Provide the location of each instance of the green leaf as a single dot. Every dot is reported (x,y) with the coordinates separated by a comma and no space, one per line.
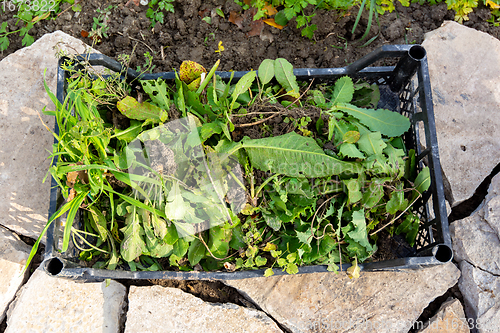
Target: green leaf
(268,272)
(260,261)
(243,85)
(176,208)
(292,269)
(219,12)
(280,18)
(74,205)
(350,150)
(423,181)
(132,245)
(196,252)
(156,247)
(294,155)
(309,31)
(266,71)
(129,134)
(157,91)
(272,221)
(283,70)
(371,143)
(351,137)
(4,43)
(27,40)
(181,247)
(132,109)
(374,193)
(353,190)
(397,202)
(410,227)
(159,226)
(305,237)
(98,222)
(218,242)
(343,90)
(171,236)
(237,240)
(209,129)
(387,122)
(359,233)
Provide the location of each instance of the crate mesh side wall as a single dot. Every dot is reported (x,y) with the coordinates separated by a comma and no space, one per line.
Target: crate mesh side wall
(408,106)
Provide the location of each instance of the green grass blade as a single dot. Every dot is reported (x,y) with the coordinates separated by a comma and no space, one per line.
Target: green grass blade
(370,17)
(359,16)
(73,209)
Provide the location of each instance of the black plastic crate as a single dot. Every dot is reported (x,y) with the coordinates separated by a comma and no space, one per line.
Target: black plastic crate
(404,88)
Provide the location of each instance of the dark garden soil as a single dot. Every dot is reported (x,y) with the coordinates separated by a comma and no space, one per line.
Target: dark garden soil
(184,36)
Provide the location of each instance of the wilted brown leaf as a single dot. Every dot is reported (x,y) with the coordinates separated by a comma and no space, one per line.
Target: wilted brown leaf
(235,18)
(257,27)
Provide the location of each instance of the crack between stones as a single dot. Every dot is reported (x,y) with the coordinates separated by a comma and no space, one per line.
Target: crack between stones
(481,269)
(193,287)
(469,206)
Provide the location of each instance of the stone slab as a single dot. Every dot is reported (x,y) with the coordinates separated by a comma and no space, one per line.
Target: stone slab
(450,318)
(13,255)
(325,302)
(48,304)
(476,245)
(466,103)
(25,140)
(159,309)
(481,292)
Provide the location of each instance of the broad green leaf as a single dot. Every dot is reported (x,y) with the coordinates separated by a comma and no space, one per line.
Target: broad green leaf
(209,129)
(327,245)
(353,190)
(387,122)
(266,71)
(237,240)
(196,252)
(176,208)
(350,150)
(351,137)
(243,85)
(260,261)
(157,91)
(272,221)
(171,236)
(410,227)
(156,247)
(159,226)
(296,156)
(305,237)
(98,221)
(397,202)
(371,143)
(130,133)
(374,193)
(133,245)
(411,166)
(343,91)
(423,180)
(132,109)
(283,70)
(181,247)
(359,233)
(218,242)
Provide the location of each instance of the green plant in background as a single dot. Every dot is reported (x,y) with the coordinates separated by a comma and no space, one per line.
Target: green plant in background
(100,24)
(29,13)
(333,182)
(156,8)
